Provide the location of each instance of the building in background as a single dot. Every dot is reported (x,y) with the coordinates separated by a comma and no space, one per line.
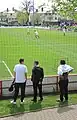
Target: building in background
(44,17)
(8,17)
(45,14)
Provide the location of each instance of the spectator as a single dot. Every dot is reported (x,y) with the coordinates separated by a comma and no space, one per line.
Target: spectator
(20,74)
(37,78)
(63,71)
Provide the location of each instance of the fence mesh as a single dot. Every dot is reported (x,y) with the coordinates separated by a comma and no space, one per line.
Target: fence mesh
(48,49)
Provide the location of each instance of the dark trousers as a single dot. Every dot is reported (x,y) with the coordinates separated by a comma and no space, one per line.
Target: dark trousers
(35,87)
(17,86)
(63,84)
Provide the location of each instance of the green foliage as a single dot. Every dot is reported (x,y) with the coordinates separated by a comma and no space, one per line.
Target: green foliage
(36,19)
(75,30)
(67,8)
(22,17)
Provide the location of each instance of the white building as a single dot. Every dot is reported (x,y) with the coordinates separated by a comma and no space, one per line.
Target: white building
(45,14)
(8,16)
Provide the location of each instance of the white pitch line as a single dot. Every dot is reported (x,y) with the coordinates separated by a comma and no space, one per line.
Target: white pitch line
(8,68)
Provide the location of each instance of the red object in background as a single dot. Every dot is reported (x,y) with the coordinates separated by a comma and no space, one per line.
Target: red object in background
(0,88)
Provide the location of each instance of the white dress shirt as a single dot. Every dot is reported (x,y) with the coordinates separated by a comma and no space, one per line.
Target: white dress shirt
(64,68)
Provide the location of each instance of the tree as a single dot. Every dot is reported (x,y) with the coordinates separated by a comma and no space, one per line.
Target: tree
(22,17)
(28,6)
(67,8)
(37,19)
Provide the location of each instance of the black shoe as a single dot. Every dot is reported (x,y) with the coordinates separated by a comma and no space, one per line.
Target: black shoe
(41,99)
(34,100)
(58,100)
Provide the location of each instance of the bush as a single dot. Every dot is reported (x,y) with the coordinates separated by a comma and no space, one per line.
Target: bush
(75,30)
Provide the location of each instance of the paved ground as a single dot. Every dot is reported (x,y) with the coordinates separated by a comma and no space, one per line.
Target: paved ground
(61,113)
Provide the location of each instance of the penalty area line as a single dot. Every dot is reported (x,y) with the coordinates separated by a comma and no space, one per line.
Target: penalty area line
(7,68)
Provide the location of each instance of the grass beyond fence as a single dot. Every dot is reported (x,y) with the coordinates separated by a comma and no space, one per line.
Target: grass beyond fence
(48,49)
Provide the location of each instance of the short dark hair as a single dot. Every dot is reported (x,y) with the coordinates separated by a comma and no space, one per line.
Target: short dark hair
(62,62)
(36,62)
(21,60)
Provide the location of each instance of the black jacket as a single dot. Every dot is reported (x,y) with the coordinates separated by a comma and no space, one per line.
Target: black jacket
(37,74)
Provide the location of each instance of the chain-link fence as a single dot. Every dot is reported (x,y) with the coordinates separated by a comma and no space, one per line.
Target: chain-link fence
(48,49)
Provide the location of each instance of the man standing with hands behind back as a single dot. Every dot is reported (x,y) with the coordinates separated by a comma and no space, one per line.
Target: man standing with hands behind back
(37,78)
(63,72)
(20,75)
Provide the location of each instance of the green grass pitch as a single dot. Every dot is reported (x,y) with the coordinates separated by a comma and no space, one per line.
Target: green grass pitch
(52,46)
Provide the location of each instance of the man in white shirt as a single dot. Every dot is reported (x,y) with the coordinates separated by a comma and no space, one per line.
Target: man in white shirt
(63,71)
(20,75)
(64,30)
(36,34)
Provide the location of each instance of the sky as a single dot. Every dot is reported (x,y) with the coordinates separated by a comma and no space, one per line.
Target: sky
(4,4)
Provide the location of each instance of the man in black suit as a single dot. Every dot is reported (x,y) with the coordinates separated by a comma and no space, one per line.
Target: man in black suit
(37,78)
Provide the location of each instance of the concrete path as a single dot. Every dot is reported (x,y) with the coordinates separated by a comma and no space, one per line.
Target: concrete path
(61,113)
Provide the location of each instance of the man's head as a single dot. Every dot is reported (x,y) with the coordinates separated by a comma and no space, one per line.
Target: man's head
(36,63)
(62,62)
(21,61)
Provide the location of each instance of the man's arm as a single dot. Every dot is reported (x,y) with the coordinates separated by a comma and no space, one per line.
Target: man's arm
(42,73)
(33,73)
(26,71)
(60,72)
(26,76)
(70,69)
(14,74)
